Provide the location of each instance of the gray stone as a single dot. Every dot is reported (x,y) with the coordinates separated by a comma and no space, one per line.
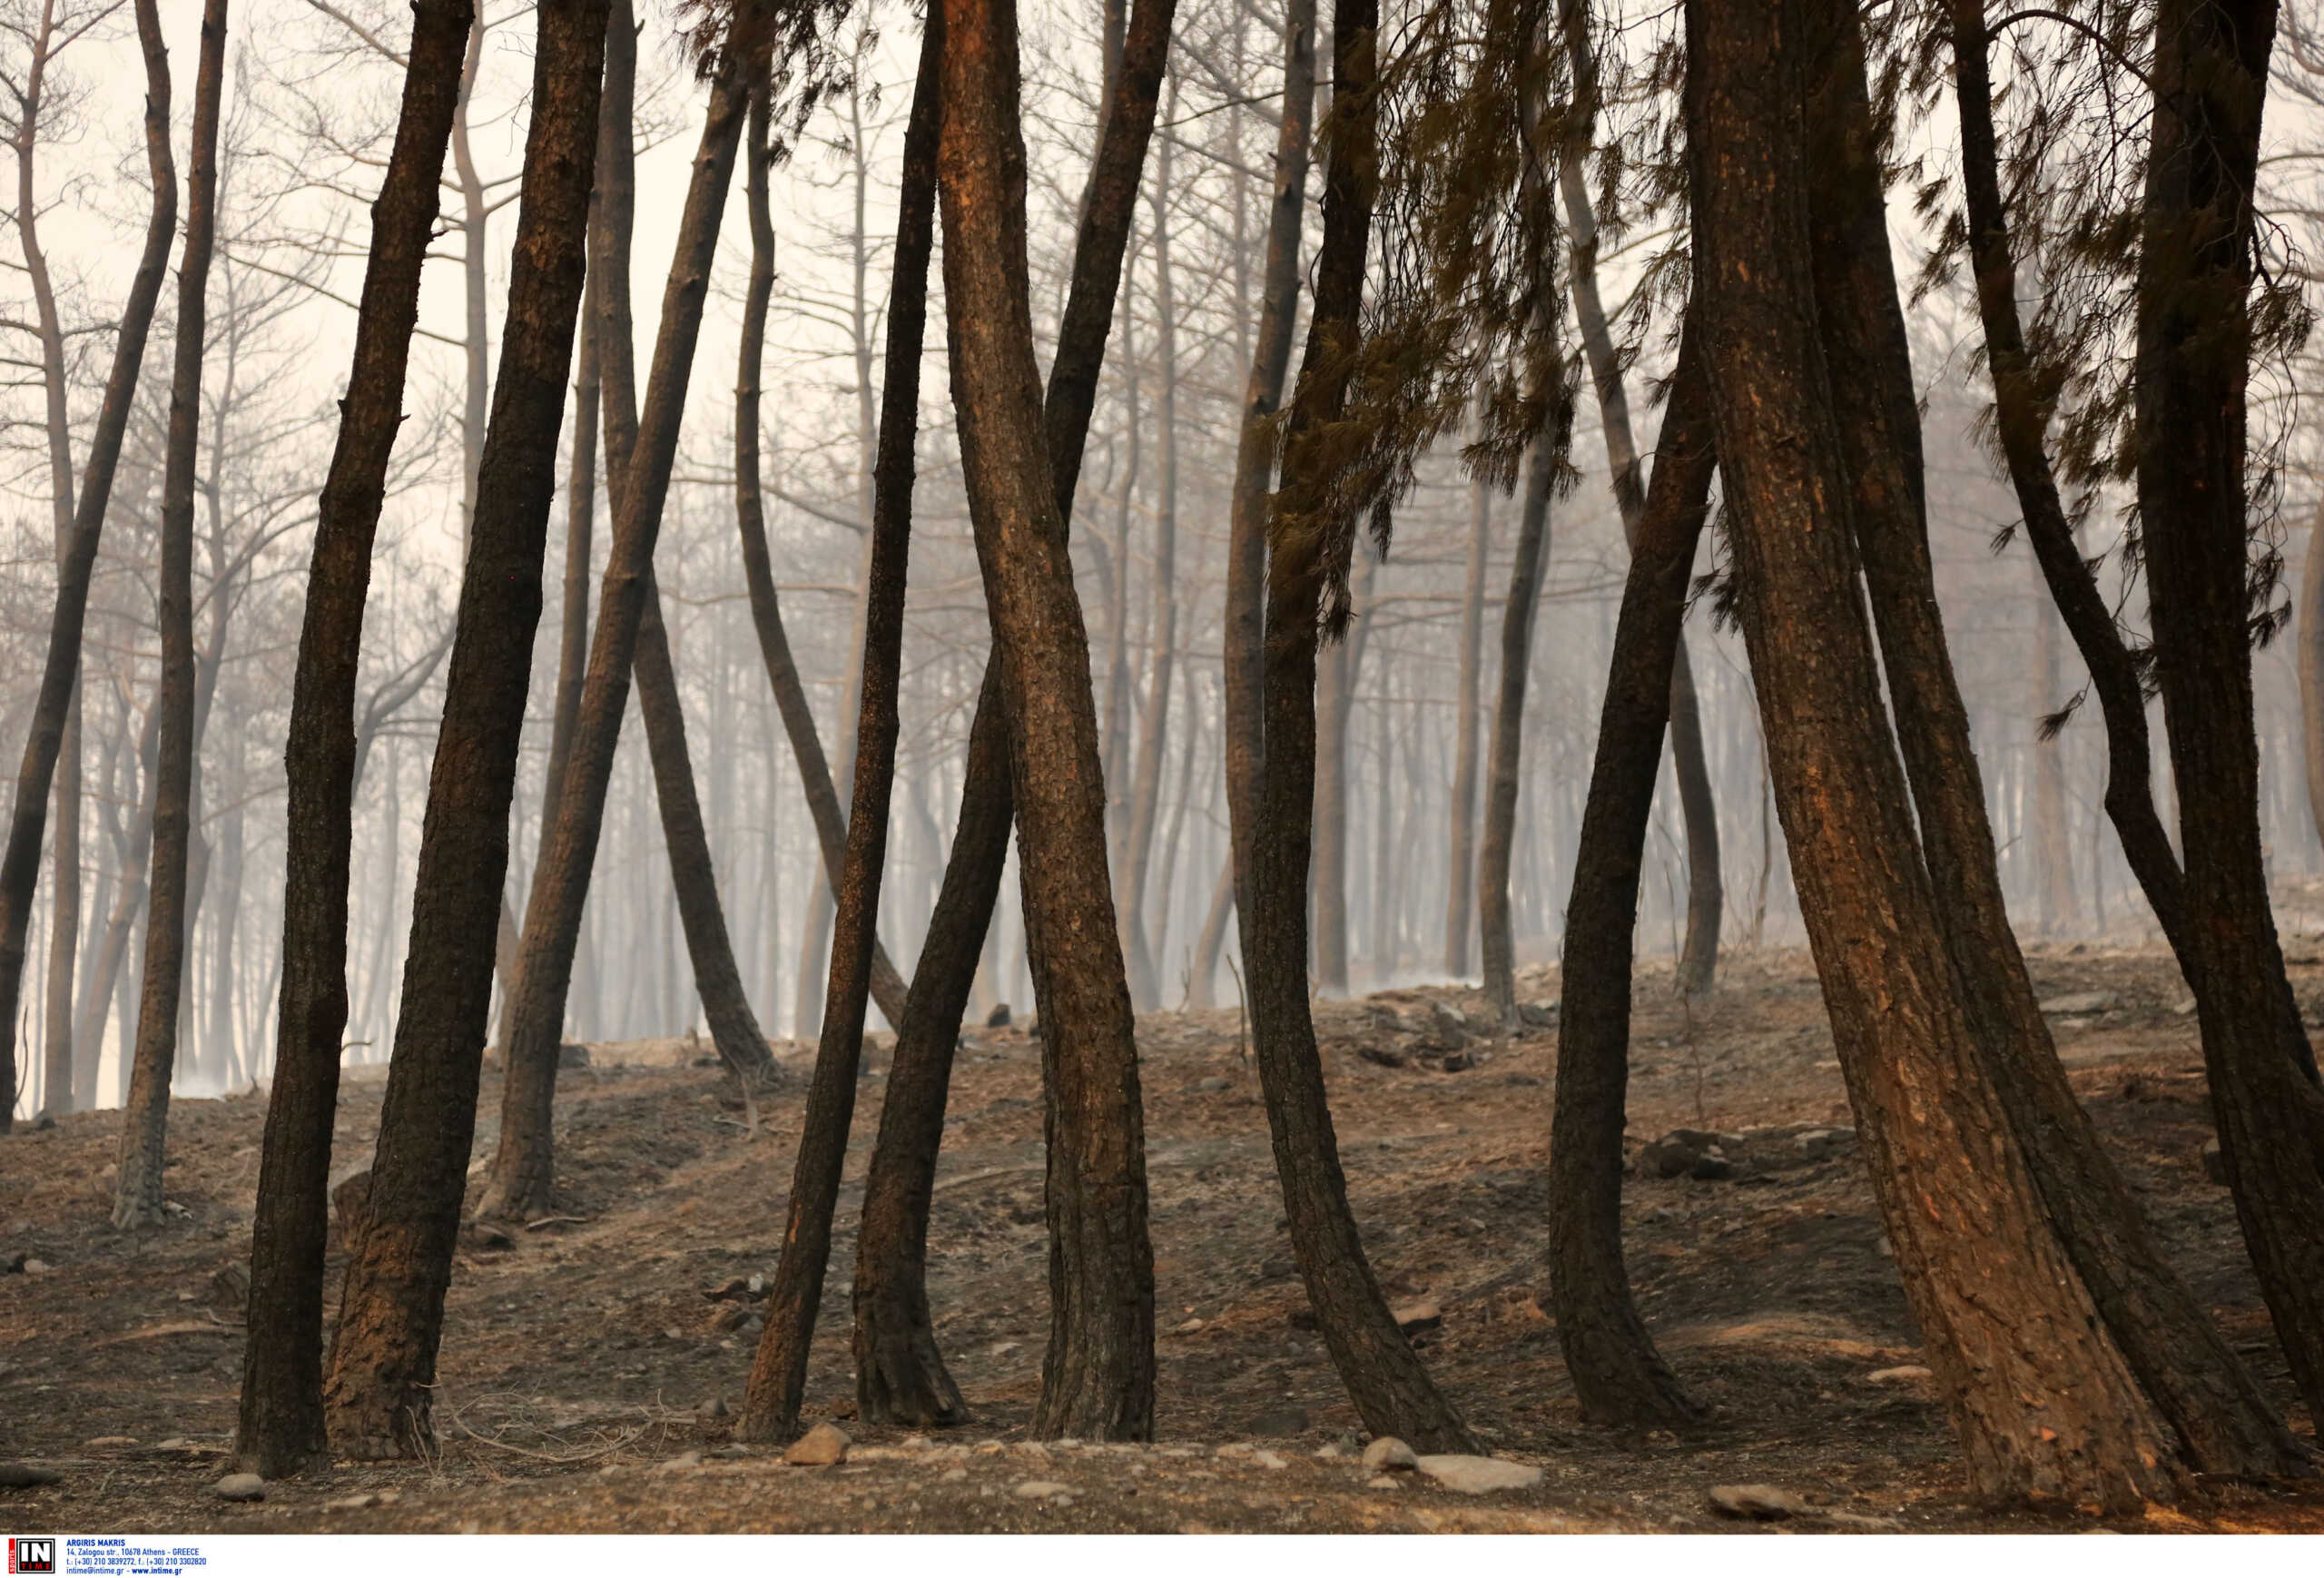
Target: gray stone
(1034,1490)
(23,1477)
(1540,1015)
(1280,1422)
(572,1055)
(240,1487)
(1212,1085)
(820,1447)
(1479,1476)
(1764,1503)
(2080,1004)
(1388,1453)
(1384,1481)
(998,1019)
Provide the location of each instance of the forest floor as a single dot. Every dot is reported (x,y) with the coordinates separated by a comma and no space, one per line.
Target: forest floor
(585,1375)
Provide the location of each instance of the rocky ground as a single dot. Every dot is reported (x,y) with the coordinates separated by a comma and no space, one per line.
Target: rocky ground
(590,1360)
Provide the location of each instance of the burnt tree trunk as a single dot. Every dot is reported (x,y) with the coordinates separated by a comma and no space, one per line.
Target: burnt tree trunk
(791,701)
(1254,456)
(1618,1376)
(1097,1376)
(280,1430)
(145,1115)
(779,1372)
(377,1388)
(892,1253)
(2193,368)
(641,445)
(61,666)
(1385,1378)
(2042,1399)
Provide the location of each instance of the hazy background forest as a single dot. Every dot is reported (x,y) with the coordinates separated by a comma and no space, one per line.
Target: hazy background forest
(309,103)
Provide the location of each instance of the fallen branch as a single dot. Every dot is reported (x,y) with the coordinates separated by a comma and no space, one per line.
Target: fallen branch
(557,1222)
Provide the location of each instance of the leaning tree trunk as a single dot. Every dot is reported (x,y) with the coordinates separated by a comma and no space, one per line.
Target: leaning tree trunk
(523,1171)
(280,1429)
(60,670)
(1385,1378)
(64,913)
(2194,346)
(382,1366)
(2170,1343)
(146,1116)
(2310,652)
(1097,1377)
(791,701)
(1697,807)
(779,1371)
(1245,631)
(891,1255)
(1618,1376)
(2041,1397)
(1461,858)
(1496,930)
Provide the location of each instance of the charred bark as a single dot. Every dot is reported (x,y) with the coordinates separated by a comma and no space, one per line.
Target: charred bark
(280,1430)
(1097,1377)
(779,1371)
(144,1119)
(2190,388)
(375,1393)
(1385,1378)
(2043,1400)
(1618,1377)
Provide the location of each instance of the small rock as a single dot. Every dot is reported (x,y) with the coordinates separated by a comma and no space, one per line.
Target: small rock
(1458,1062)
(486,1235)
(732,1288)
(2080,1004)
(240,1487)
(1278,1269)
(1280,1422)
(1002,1350)
(105,1441)
(820,1447)
(1900,1373)
(683,1461)
(1448,1019)
(1478,1476)
(1384,1481)
(1191,1325)
(1668,1157)
(353,1504)
(952,1475)
(998,1019)
(1815,1144)
(1268,1460)
(1388,1453)
(730,1318)
(35,1267)
(1765,1503)
(23,1477)
(1421,1316)
(1540,1015)
(1385,1057)
(2184,1007)
(2215,1162)
(176,1444)
(715,1408)
(1034,1490)
(1211,1086)
(572,1055)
